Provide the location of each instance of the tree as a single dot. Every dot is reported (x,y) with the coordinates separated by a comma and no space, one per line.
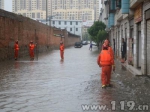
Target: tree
(97,32)
(102,34)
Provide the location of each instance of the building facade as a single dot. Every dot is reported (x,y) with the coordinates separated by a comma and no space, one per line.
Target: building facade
(74,14)
(30,5)
(1,4)
(75,9)
(35,9)
(66,9)
(35,14)
(72,26)
(130,19)
(104,12)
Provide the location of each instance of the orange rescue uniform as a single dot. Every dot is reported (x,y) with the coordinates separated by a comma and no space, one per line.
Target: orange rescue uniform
(16,49)
(62,51)
(31,47)
(106,60)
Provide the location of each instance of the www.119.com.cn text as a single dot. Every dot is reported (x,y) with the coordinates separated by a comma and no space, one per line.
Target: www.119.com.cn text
(122,105)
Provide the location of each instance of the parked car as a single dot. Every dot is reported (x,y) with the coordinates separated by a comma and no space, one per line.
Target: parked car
(84,42)
(78,45)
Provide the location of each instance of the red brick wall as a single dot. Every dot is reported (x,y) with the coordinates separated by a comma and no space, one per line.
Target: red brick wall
(15,27)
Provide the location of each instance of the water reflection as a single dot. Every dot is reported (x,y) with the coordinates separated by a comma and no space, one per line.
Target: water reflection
(49,82)
(106,98)
(16,65)
(61,61)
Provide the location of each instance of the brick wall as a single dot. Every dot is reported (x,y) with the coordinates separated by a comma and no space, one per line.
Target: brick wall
(16,27)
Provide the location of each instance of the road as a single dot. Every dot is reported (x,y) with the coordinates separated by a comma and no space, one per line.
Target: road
(52,85)
(49,84)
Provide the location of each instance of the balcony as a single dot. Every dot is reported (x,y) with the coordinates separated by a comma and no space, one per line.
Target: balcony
(119,15)
(125,16)
(134,3)
(116,22)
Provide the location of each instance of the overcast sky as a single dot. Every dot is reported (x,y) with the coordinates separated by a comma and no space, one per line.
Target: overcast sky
(8,5)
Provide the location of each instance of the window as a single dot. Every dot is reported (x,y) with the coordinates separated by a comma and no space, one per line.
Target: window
(33,15)
(38,15)
(59,22)
(76,23)
(53,22)
(76,29)
(70,22)
(65,22)
(70,29)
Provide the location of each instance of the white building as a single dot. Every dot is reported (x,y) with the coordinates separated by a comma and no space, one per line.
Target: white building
(67,9)
(88,9)
(72,26)
(35,14)
(29,5)
(75,14)
(34,9)
(1,4)
(104,11)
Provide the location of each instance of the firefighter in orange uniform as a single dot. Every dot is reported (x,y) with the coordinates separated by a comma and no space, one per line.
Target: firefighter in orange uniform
(61,50)
(31,49)
(16,49)
(106,61)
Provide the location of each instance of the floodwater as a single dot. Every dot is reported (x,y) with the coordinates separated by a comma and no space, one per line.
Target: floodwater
(50,84)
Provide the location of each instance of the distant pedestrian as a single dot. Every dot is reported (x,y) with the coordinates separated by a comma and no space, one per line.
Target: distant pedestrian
(16,49)
(132,45)
(31,50)
(106,61)
(123,51)
(90,48)
(61,50)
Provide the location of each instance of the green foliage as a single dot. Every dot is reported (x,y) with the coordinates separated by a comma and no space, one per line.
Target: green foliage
(102,34)
(97,32)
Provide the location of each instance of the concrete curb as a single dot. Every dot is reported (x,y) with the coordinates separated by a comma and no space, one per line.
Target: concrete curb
(131,69)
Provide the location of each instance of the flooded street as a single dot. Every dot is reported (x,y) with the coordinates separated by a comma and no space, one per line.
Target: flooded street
(52,85)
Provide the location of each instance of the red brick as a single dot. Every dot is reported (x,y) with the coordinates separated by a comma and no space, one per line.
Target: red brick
(15,27)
